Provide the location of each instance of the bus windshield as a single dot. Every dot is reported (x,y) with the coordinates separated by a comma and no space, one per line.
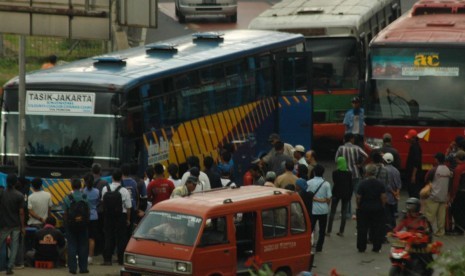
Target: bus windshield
(407,86)
(169,227)
(335,62)
(72,136)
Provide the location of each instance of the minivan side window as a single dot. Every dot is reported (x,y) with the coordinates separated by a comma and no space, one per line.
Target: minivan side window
(298,224)
(214,232)
(274,222)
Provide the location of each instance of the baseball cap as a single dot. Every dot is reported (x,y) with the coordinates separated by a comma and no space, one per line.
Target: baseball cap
(440,157)
(355,99)
(388,157)
(299,148)
(410,134)
(273,136)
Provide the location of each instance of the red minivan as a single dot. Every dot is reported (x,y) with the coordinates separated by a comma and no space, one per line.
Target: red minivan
(222,232)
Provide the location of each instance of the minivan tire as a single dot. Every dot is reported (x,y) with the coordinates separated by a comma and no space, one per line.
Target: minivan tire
(181,17)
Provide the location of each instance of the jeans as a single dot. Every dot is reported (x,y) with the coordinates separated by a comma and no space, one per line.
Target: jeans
(78,245)
(14,234)
(322,220)
(334,203)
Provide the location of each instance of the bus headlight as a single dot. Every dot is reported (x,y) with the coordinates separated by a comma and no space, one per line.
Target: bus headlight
(130,259)
(182,267)
(374,143)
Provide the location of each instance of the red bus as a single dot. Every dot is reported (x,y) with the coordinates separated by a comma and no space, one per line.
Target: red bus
(416,79)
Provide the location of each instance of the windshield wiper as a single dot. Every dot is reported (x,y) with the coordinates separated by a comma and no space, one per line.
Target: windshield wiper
(441,112)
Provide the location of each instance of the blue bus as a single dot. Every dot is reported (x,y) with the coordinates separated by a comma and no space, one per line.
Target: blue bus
(161,102)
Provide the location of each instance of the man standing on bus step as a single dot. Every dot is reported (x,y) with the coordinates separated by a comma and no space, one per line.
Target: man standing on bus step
(413,165)
(354,121)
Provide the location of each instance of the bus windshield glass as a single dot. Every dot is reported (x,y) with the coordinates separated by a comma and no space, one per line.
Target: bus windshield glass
(407,86)
(335,62)
(169,227)
(69,133)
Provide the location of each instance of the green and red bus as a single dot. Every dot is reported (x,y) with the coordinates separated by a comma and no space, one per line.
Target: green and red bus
(416,79)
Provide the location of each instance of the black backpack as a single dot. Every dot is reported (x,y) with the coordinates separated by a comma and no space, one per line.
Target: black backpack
(78,214)
(112,202)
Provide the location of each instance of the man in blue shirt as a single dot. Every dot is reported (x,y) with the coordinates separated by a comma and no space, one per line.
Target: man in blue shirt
(320,209)
(354,121)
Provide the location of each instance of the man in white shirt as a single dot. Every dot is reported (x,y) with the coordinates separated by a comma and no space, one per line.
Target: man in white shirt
(39,204)
(115,225)
(193,163)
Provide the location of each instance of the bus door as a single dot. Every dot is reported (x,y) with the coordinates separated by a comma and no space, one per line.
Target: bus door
(295,98)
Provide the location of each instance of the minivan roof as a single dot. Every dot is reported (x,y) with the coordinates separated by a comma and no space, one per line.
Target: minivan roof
(220,200)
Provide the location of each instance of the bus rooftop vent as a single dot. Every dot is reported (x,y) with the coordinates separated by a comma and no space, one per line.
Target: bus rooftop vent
(310,11)
(161,47)
(109,59)
(208,36)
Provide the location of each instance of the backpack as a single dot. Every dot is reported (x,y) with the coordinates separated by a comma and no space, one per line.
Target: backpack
(311,195)
(78,214)
(112,202)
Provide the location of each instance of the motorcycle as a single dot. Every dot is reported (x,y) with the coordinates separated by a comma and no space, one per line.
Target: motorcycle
(411,252)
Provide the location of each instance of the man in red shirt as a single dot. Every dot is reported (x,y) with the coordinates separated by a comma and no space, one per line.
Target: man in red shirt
(160,188)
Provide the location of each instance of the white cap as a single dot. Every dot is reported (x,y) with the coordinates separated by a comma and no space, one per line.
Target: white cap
(388,157)
(299,148)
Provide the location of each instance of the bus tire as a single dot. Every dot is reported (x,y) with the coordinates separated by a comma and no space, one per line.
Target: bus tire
(233,18)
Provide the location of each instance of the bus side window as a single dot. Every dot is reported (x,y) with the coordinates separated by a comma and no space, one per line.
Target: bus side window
(189,93)
(264,77)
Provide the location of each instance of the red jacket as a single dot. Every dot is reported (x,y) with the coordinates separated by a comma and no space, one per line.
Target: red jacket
(456,181)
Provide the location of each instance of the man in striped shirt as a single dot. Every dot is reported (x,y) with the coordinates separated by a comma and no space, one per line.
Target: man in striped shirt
(355,157)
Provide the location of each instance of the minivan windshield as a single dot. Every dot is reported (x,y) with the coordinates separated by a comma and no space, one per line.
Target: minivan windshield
(169,227)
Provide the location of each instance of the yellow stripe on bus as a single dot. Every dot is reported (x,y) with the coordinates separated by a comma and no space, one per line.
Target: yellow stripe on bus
(286,100)
(251,111)
(220,126)
(177,145)
(305,98)
(206,133)
(243,115)
(184,140)
(155,136)
(199,136)
(192,139)
(54,195)
(261,112)
(296,99)
(236,123)
(214,134)
(230,125)
(146,142)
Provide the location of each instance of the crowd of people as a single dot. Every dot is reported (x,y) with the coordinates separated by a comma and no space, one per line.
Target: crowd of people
(99,216)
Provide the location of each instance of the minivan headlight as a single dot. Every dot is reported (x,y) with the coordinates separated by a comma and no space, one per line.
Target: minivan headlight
(130,259)
(183,267)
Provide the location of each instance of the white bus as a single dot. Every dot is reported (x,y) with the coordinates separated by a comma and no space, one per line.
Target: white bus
(337,33)
(226,8)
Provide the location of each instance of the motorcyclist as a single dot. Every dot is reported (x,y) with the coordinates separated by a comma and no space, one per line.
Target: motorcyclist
(420,248)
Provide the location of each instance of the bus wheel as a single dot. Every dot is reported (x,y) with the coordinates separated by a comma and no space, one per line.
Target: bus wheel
(233,18)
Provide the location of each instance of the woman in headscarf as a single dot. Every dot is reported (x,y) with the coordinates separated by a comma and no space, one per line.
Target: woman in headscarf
(342,191)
